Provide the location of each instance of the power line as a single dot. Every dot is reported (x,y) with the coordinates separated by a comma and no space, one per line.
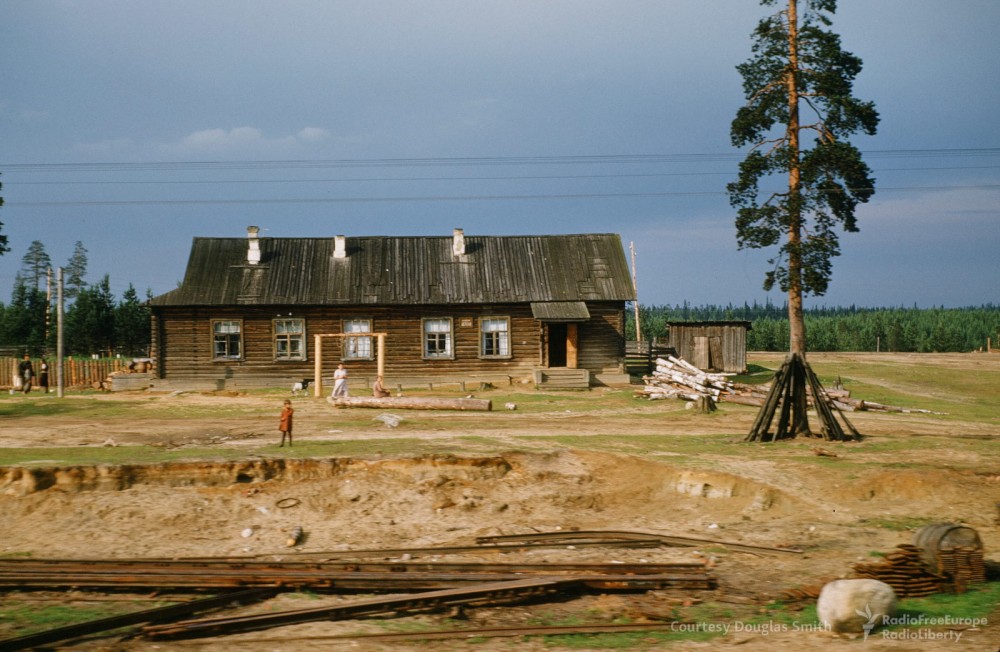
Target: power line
(430,198)
(522,177)
(457,161)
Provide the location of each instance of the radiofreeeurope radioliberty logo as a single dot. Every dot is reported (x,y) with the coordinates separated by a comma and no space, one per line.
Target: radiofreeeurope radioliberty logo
(872,619)
(920,628)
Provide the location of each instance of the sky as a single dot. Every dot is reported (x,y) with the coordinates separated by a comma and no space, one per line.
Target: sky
(134,127)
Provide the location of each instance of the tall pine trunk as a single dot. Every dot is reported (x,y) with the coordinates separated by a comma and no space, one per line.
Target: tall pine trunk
(796,317)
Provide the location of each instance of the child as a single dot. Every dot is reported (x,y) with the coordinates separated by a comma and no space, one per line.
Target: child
(286,423)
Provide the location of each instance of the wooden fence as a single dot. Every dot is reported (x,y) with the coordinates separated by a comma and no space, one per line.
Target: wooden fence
(76,373)
(639,356)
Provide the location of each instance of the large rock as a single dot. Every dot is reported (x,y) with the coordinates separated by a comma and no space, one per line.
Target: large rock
(855,606)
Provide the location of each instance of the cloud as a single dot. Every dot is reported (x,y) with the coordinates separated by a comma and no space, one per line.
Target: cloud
(244,141)
(313,134)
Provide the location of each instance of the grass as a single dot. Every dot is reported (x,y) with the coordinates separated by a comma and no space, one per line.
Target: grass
(710,620)
(30,616)
(900,523)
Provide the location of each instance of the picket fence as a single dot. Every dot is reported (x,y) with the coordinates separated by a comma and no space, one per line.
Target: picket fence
(76,373)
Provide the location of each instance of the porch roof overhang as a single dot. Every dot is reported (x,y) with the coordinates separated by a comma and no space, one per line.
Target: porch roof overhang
(560,311)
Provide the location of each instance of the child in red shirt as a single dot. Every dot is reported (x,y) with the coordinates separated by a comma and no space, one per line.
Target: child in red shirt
(286,423)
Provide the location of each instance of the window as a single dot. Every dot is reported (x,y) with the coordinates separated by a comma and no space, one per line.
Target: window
(494,337)
(437,338)
(289,339)
(358,347)
(227,340)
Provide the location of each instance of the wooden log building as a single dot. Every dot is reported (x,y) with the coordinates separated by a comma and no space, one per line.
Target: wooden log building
(461,307)
(719,346)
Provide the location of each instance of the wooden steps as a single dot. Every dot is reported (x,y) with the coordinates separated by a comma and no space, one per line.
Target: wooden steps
(562,378)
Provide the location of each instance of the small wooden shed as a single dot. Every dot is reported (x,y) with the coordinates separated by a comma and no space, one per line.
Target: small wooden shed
(719,346)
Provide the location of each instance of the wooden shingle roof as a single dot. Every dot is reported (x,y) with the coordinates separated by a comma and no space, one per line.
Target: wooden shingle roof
(385,270)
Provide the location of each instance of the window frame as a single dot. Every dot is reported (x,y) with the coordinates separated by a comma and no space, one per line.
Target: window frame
(449,339)
(239,335)
(503,337)
(345,353)
(301,336)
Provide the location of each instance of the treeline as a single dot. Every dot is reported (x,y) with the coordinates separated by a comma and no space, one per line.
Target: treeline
(921,330)
(95,322)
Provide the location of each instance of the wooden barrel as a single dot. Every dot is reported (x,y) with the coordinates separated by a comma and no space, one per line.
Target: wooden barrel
(932,539)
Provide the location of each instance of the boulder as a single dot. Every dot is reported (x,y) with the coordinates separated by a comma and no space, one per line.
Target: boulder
(855,606)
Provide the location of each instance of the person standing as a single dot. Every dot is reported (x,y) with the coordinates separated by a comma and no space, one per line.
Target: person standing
(27,373)
(285,425)
(339,382)
(43,375)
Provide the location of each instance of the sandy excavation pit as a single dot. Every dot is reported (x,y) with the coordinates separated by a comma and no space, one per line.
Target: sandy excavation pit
(204,508)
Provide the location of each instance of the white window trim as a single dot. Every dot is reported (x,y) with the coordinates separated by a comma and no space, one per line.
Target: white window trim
(347,336)
(304,354)
(500,356)
(451,339)
(243,344)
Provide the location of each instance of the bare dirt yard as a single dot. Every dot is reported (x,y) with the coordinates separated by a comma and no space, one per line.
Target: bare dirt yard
(148,474)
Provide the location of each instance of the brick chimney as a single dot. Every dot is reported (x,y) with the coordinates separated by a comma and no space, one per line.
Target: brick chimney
(253,252)
(458,242)
(339,246)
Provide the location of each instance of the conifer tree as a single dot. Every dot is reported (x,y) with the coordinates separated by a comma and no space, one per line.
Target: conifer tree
(798,115)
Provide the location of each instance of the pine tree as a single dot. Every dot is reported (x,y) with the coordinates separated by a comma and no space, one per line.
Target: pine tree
(132,325)
(35,264)
(799,69)
(76,270)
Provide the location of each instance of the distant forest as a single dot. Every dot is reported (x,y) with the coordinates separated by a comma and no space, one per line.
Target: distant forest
(922,330)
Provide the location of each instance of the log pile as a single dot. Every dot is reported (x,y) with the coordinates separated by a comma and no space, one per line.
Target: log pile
(675,378)
(964,564)
(836,397)
(904,570)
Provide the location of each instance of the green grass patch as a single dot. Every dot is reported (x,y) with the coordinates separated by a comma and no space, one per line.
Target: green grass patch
(977,603)
(29,616)
(900,523)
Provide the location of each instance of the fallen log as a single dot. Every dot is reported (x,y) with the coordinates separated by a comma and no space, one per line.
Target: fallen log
(413,403)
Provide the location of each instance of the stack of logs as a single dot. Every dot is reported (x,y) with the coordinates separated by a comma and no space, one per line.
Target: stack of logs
(964,564)
(904,570)
(676,378)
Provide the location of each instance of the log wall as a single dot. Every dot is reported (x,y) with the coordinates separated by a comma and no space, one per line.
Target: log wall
(182,342)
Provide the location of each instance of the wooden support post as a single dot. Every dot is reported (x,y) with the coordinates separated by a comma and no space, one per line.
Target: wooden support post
(318,366)
(381,355)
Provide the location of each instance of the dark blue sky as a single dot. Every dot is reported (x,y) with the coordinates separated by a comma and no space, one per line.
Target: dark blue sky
(135,127)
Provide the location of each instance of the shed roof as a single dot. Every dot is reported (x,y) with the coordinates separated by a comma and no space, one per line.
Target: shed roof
(384,270)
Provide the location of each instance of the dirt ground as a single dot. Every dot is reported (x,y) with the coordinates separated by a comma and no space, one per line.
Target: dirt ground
(511,485)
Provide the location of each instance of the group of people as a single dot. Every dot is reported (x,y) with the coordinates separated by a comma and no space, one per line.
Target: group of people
(340,384)
(26,374)
(339,390)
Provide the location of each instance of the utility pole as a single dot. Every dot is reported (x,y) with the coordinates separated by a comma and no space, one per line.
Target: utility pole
(635,288)
(59,334)
(48,304)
